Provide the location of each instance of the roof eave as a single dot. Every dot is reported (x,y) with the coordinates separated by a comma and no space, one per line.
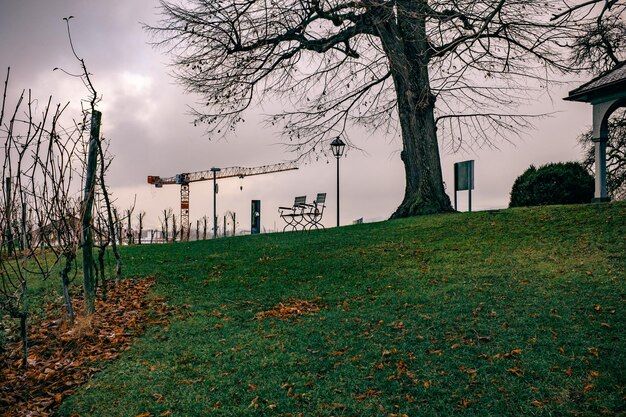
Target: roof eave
(587,96)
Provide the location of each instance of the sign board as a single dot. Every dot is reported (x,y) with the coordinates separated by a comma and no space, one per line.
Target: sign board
(464,180)
(464,175)
(255,218)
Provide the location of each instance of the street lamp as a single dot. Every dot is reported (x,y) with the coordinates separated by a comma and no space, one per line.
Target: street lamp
(337,147)
(214,171)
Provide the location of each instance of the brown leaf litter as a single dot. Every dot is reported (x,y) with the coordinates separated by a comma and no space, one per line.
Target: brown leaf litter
(62,357)
(290,309)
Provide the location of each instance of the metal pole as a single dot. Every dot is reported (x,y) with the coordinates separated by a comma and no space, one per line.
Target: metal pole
(89,279)
(214,206)
(470,180)
(337,191)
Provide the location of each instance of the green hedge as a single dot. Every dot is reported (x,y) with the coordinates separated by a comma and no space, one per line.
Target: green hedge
(556,183)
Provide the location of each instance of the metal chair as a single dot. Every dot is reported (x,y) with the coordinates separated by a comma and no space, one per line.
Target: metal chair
(294,215)
(315,211)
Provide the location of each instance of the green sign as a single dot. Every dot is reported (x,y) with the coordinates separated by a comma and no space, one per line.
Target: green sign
(464,175)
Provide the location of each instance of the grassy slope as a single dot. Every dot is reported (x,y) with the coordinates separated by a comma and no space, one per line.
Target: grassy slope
(516,312)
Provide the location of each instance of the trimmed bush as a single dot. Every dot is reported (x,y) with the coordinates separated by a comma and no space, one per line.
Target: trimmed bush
(556,183)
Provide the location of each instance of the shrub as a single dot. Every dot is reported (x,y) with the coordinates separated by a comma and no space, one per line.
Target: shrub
(557,183)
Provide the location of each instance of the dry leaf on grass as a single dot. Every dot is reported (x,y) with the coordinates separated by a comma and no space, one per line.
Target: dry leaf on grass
(290,309)
(61,358)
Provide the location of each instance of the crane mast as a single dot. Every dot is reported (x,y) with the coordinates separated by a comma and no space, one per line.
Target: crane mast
(184,179)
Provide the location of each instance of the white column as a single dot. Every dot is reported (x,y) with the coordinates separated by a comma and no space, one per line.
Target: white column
(601,113)
(600,193)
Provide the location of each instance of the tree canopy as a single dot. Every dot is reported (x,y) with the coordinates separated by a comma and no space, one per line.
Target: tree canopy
(423,69)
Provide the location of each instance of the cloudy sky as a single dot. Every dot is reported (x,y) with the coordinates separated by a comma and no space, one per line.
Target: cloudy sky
(145,117)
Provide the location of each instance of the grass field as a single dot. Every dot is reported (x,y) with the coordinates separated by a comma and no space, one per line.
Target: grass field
(503,313)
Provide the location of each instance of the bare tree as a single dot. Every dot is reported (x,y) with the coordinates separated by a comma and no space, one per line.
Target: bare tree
(118,226)
(167,214)
(130,238)
(140,217)
(37,173)
(420,68)
(600,44)
(233,218)
(230,216)
(102,240)
(174,228)
(94,157)
(111,214)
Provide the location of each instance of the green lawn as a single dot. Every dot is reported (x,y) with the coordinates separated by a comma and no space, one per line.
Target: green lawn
(504,313)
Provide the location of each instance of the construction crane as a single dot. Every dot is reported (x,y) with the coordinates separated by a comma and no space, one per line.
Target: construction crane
(186,178)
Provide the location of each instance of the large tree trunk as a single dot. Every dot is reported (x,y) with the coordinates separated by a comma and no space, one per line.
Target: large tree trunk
(406,47)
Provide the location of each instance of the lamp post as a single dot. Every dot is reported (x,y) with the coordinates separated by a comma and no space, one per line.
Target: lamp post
(215,171)
(337,147)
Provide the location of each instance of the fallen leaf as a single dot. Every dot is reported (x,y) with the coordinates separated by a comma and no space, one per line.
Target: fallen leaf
(189,381)
(254,403)
(517,371)
(464,403)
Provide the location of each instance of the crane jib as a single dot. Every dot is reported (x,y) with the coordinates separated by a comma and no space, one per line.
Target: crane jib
(185,178)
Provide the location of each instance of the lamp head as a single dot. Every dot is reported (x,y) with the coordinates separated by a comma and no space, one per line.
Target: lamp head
(337,147)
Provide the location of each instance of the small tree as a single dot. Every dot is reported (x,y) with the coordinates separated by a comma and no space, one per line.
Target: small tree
(140,217)
(174,228)
(167,214)
(36,174)
(130,238)
(557,183)
(110,213)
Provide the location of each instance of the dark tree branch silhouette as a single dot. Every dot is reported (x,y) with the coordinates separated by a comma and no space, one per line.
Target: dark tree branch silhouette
(95,153)
(39,220)
(390,65)
(601,44)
